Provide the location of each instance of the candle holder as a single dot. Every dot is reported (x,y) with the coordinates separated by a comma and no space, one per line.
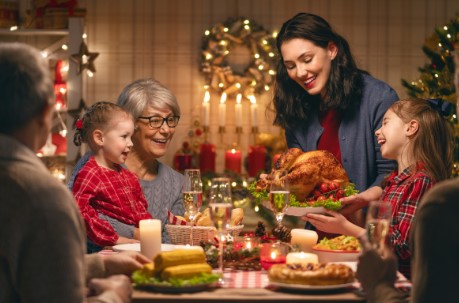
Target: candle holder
(273,253)
(205,130)
(221,131)
(238,133)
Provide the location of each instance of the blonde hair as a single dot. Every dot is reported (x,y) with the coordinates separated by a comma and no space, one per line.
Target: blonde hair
(432,145)
(98,116)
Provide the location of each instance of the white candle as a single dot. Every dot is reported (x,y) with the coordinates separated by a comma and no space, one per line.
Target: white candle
(253,110)
(206,109)
(238,110)
(302,258)
(222,110)
(150,237)
(304,238)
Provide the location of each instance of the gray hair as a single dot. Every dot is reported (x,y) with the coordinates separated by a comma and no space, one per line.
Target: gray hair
(26,87)
(142,93)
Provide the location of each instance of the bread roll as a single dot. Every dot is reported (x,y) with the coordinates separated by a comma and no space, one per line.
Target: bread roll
(237,215)
(205,219)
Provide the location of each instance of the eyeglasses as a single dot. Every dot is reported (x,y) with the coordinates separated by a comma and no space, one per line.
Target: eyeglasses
(158,121)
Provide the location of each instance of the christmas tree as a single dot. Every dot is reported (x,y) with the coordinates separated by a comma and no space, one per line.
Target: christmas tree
(437,76)
(440,77)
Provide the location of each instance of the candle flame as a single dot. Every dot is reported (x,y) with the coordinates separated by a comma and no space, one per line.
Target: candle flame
(223,98)
(273,255)
(252,99)
(233,151)
(206,97)
(238,98)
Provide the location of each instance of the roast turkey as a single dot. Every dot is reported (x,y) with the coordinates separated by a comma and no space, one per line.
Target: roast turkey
(306,170)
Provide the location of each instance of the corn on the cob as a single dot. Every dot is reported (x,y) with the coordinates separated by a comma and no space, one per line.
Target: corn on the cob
(178,257)
(185,271)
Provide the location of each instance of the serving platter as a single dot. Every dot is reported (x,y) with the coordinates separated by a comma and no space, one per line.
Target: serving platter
(166,288)
(311,287)
(136,247)
(301,211)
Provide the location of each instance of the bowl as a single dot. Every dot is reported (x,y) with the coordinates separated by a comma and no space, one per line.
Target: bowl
(328,255)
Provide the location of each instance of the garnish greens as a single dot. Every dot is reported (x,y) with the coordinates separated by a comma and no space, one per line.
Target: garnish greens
(263,195)
(140,277)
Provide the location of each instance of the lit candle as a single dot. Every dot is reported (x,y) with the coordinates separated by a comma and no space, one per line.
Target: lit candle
(207,157)
(222,110)
(302,258)
(257,156)
(150,237)
(253,110)
(206,109)
(272,253)
(304,238)
(238,110)
(233,160)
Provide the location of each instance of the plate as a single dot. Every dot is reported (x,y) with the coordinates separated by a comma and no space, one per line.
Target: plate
(173,289)
(301,211)
(311,287)
(136,247)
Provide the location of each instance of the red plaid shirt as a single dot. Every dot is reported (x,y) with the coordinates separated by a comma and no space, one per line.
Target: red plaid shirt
(403,192)
(115,193)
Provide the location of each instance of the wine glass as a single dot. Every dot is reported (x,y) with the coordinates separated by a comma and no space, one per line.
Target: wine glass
(192,195)
(377,224)
(279,194)
(220,204)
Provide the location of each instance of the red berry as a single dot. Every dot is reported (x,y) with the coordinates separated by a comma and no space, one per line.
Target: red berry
(316,193)
(324,187)
(340,194)
(334,185)
(321,198)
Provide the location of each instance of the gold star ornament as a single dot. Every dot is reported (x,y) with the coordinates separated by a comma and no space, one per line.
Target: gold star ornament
(84,59)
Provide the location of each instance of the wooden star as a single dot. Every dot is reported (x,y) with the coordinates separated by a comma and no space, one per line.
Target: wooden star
(84,59)
(76,113)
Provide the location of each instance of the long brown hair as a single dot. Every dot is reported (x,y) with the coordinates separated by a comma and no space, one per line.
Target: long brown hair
(432,145)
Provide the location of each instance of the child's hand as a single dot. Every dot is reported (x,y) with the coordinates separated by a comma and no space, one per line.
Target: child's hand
(355,202)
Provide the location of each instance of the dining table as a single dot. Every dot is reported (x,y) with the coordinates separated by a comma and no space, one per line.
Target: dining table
(249,286)
(252,286)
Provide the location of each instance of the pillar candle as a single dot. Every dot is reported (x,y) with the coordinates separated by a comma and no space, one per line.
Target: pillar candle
(233,160)
(150,237)
(206,109)
(257,156)
(304,238)
(207,157)
(302,258)
(238,110)
(253,110)
(222,110)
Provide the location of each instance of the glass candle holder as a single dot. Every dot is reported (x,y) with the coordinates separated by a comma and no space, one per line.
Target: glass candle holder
(272,253)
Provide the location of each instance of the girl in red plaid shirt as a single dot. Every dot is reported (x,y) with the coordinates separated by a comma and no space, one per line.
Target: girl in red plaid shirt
(103,186)
(416,134)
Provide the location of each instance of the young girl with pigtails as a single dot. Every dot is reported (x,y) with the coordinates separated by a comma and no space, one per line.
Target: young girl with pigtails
(103,188)
(416,134)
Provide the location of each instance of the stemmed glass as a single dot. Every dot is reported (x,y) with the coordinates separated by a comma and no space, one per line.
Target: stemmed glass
(192,195)
(279,194)
(377,224)
(220,204)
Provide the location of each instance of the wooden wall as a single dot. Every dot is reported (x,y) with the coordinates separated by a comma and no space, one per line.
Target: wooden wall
(162,39)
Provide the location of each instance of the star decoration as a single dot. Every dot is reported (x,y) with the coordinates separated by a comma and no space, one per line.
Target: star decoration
(76,113)
(84,59)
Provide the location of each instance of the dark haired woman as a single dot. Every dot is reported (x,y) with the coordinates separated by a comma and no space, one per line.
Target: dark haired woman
(324,101)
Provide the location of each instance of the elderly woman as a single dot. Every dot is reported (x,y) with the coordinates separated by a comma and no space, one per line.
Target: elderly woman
(156,113)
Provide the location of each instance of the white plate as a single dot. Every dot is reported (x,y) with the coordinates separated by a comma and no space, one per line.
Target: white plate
(136,247)
(311,287)
(301,211)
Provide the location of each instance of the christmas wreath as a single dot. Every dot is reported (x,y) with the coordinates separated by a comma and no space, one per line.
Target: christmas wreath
(218,43)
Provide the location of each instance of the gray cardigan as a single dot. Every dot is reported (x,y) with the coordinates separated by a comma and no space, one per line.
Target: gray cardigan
(360,152)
